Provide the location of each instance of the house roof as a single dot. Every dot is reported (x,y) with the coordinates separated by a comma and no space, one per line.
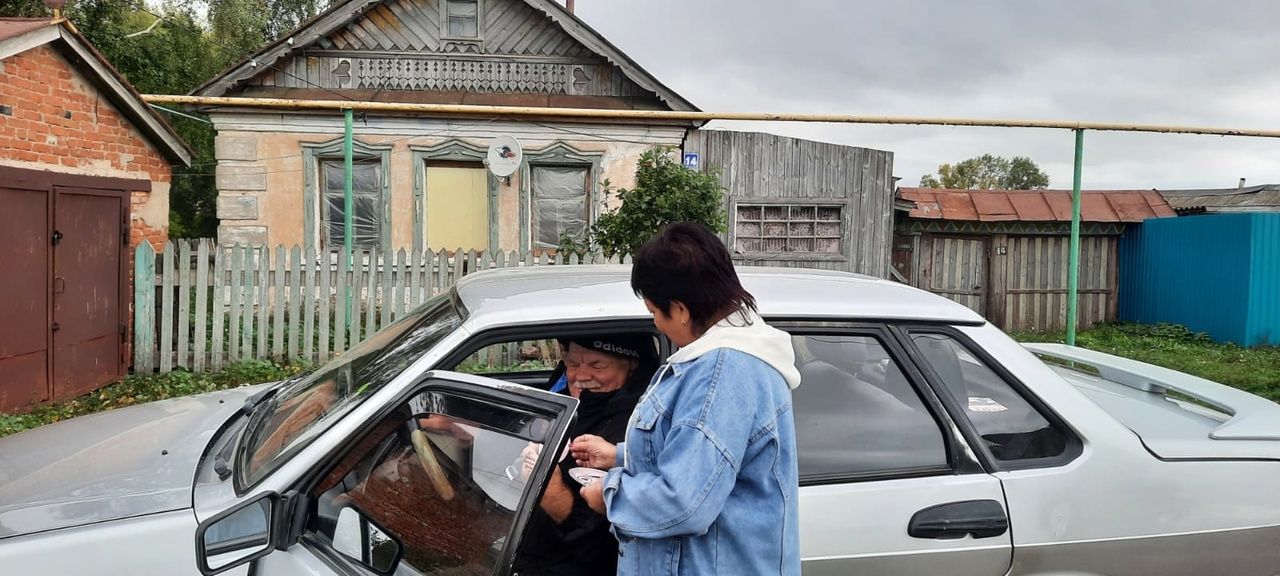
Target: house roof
(1261,198)
(342,12)
(18,35)
(1034,205)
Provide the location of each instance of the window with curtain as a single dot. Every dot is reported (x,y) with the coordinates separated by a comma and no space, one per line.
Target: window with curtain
(560,203)
(463,18)
(366,196)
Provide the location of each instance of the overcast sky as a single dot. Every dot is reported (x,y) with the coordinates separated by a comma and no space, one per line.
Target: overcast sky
(1155,62)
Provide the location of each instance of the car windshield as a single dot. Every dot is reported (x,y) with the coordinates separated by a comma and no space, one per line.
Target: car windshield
(293,416)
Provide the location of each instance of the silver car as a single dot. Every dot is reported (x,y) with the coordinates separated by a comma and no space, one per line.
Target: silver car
(929,443)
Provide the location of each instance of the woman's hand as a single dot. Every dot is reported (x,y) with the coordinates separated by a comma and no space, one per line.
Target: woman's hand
(594,452)
(593,493)
(528,458)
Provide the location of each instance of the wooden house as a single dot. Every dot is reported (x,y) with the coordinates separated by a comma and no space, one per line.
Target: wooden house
(420,180)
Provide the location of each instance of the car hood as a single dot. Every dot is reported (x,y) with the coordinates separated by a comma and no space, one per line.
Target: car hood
(110,465)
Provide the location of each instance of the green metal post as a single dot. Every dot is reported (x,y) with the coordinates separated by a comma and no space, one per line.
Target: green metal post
(347,200)
(1073,273)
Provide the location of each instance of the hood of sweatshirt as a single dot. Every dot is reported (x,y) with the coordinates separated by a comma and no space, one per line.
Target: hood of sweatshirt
(746,332)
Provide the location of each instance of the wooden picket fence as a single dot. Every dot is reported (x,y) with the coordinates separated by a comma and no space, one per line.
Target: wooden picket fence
(199,305)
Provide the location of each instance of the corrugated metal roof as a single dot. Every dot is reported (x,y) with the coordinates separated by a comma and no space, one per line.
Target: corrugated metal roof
(14,27)
(1034,205)
(1263,198)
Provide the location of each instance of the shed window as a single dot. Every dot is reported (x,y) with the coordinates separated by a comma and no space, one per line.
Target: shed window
(789,228)
(560,203)
(366,196)
(463,18)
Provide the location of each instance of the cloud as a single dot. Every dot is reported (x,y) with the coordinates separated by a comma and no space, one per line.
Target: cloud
(1166,62)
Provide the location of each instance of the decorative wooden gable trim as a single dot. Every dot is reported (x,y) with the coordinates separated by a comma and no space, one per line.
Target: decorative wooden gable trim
(522,46)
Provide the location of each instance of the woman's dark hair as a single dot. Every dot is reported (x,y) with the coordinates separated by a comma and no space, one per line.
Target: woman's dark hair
(688,263)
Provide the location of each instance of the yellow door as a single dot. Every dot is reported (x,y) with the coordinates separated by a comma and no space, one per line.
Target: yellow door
(457,208)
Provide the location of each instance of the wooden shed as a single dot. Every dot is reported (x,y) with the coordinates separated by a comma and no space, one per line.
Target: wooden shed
(1005,253)
(800,203)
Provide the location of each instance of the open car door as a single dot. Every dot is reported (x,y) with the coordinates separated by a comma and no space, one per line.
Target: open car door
(434,485)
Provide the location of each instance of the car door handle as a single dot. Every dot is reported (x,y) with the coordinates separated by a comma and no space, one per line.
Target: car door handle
(977,518)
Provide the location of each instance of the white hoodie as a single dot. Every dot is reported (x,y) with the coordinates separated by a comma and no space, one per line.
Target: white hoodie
(746,332)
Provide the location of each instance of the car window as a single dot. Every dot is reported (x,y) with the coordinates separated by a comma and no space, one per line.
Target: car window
(1010,427)
(289,420)
(856,413)
(440,479)
(510,357)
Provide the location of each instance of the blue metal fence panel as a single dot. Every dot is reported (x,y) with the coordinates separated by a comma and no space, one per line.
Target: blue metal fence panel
(1218,274)
(1264,317)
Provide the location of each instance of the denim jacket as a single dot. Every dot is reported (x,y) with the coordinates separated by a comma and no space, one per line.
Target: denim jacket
(708,480)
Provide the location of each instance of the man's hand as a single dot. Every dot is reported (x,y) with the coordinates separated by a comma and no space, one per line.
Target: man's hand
(593,493)
(594,452)
(529,457)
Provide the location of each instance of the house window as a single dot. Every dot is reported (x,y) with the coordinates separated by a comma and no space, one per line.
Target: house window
(789,228)
(560,203)
(462,18)
(366,196)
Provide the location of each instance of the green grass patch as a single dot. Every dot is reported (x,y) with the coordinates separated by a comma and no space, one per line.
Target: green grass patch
(147,388)
(1255,370)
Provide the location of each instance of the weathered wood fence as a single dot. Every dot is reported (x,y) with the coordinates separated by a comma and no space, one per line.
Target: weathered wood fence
(200,306)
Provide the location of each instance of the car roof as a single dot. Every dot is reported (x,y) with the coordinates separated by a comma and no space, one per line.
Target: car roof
(509,296)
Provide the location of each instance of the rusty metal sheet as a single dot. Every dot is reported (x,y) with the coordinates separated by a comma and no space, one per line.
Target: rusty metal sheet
(1158,204)
(957,205)
(1094,207)
(24,298)
(1131,207)
(14,27)
(1059,203)
(926,202)
(1031,207)
(994,206)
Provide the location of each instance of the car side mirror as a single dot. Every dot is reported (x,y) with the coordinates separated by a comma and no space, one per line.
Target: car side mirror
(360,539)
(237,536)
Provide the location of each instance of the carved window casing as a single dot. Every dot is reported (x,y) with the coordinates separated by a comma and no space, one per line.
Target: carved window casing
(324,197)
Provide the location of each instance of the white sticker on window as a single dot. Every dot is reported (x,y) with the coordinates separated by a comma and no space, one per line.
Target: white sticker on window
(980,404)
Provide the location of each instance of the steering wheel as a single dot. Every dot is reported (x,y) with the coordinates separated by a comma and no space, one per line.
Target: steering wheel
(427,458)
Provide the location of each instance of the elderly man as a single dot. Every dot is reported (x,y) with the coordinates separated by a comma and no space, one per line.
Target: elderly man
(607,375)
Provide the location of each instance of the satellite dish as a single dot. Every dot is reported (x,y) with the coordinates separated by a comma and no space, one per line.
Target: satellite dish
(505,156)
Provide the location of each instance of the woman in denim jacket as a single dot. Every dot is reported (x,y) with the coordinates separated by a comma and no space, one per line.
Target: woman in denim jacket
(706,481)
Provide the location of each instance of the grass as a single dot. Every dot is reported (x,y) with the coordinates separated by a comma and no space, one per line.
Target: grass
(147,388)
(1255,370)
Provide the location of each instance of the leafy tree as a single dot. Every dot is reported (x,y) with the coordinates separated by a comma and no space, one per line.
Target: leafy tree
(665,192)
(172,58)
(988,172)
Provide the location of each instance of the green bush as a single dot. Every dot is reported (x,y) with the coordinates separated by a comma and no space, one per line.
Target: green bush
(665,192)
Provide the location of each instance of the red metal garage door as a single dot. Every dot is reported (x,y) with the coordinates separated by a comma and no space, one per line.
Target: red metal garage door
(24,297)
(87,284)
(63,242)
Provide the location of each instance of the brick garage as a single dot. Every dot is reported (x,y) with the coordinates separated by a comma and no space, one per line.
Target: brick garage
(84,176)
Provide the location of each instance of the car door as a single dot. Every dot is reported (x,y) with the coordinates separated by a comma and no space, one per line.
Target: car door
(430,486)
(888,485)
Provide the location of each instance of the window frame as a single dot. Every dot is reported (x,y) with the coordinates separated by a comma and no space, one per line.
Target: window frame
(449,153)
(959,459)
(314,222)
(444,24)
(558,154)
(300,523)
(845,206)
(1074,445)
